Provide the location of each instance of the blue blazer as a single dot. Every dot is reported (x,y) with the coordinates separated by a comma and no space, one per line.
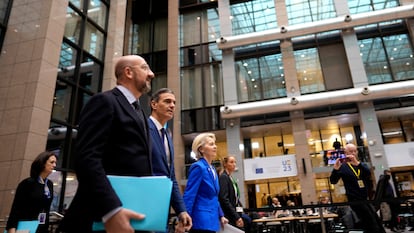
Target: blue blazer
(201,196)
(160,165)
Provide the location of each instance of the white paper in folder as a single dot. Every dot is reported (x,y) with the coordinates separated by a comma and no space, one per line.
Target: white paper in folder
(230,229)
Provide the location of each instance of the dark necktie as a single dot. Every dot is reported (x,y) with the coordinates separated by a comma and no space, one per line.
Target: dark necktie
(140,113)
(163,135)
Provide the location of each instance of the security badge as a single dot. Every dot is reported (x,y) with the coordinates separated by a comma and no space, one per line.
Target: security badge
(42,218)
(361,183)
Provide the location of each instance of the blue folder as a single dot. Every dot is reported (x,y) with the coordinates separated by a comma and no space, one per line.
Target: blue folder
(149,195)
(31,226)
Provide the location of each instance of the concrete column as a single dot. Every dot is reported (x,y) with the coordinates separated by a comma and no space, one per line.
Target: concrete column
(114,41)
(369,125)
(29,62)
(233,133)
(341,7)
(356,66)
(234,139)
(289,67)
(281,16)
(305,172)
(304,165)
(174,83)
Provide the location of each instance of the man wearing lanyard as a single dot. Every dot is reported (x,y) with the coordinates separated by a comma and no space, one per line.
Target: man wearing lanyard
(358,186)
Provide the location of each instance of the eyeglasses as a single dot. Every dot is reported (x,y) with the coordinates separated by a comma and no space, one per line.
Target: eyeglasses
(144,67)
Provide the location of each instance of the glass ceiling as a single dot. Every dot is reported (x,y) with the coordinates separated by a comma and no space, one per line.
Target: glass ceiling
(309,10)
(253,16)
(360,6)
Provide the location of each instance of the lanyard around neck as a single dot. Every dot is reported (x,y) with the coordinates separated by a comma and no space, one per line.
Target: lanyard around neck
(45,187)
(236,189)
(357,173)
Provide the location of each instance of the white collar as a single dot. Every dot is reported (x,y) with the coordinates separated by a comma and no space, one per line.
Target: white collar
(157,123)
(127,93)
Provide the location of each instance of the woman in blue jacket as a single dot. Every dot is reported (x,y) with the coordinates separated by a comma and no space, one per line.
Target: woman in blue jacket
(202,190)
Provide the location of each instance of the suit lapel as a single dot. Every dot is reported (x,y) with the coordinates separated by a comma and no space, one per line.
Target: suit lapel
(213,175)
(131,112)
(157,139)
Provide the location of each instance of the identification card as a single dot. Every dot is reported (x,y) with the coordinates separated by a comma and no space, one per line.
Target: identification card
(42,218)
(361,183)
(239,209)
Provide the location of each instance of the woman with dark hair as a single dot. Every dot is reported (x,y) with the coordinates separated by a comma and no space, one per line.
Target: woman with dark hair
(34,195)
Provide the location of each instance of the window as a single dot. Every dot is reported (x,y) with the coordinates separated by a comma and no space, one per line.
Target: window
(260,78)
(79,77)
(201,74)
(388,58)
(148,36)
(5,7)
(309,71)
(202,86)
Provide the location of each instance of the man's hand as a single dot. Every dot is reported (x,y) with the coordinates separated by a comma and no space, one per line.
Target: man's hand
(353,160)
(179,228)
(12,230)
(337,164)
(185,221)
(121,221)
(223,221)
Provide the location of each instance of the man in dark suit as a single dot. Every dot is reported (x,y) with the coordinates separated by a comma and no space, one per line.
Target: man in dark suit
(162,110)
(112,140)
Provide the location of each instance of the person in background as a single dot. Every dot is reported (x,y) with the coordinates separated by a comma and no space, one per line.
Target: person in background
(356,177)
(34,195)
(324,200)
(202,190)
(264,200)
(386,191)
(230,196)
(112,140)
(336,144)
(327,201)
(162,110)
(276,204)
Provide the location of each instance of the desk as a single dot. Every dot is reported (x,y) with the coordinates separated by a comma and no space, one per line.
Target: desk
(291,224)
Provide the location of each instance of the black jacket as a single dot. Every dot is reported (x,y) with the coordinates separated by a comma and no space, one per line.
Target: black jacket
(353,191)
(29,201)
(111,141)
(227,198)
